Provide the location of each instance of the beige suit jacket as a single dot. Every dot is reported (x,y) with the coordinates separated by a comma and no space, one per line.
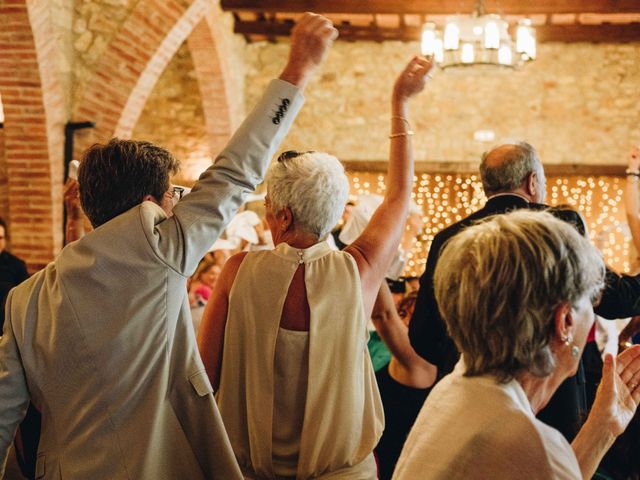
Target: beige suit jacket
(101,340)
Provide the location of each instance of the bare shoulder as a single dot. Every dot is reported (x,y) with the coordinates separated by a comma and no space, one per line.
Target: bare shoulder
(230,270)
(234,261)
(358,256)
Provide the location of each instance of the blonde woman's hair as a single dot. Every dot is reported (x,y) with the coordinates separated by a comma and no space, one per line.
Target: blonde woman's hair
(499,282)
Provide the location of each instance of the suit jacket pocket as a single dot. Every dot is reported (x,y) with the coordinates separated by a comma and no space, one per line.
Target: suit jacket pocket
(40,466)
(201,384)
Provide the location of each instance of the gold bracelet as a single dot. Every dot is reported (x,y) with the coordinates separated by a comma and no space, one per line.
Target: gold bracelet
(398,117)
(401,134)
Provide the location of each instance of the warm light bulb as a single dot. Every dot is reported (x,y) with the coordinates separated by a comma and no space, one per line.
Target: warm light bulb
(428,44)
(526,39)
(491,35)
(438,54)
(451,36)
(504,55)
(468,54)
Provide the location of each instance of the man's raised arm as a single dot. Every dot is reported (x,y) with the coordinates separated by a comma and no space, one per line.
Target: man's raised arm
(202,215)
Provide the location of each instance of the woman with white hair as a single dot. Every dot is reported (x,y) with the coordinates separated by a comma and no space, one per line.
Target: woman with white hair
(284,337)
(516,293)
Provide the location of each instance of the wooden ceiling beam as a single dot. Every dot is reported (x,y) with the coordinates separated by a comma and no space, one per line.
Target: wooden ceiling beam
(435,7)
(603,33)
(571,33)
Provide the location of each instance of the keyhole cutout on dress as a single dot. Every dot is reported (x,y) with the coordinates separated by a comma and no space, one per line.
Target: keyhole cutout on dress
(296,314)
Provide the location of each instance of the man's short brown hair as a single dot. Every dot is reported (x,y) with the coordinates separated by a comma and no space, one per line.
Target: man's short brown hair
(115,177)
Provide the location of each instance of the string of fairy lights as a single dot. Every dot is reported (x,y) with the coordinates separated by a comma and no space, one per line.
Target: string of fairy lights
(447,198)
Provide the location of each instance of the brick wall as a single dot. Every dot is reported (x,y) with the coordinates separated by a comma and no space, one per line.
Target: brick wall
(34,117)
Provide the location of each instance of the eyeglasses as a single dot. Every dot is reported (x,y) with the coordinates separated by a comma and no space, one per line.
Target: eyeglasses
(289,154)
(176,193)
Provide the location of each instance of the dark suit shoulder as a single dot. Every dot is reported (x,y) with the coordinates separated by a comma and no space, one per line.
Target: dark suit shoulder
(454,228)
(564,213)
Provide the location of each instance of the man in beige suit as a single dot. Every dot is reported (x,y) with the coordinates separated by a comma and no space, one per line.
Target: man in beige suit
(101,339)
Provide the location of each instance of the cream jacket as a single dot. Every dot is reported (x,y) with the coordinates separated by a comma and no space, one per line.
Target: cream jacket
(101,340)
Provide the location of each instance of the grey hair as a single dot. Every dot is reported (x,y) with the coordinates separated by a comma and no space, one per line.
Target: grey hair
(519,162)
(314,186)
(498,284)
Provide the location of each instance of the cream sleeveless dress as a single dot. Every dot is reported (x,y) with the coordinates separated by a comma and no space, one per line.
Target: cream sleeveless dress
(331,393)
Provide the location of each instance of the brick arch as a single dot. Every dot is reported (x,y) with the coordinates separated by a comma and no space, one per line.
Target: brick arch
(128,70)
(222,97)
(33,129)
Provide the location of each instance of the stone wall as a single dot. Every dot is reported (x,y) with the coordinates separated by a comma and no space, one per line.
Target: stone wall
(173,116)
(577,103)
(94,24)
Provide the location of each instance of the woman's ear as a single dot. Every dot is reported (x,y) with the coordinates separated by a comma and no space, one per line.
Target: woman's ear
(287,217)
(532,184)
(563,322)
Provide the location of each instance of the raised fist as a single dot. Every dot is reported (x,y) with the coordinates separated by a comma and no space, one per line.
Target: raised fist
(412,79)
(311,39)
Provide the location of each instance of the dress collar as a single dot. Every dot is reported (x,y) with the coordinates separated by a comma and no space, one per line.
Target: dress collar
(508,194)
(302,255)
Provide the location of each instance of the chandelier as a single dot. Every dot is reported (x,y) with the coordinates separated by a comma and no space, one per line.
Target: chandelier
(479,39)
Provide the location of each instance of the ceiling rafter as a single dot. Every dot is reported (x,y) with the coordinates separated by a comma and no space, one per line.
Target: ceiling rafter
(611,21)
(438,7)
(602,33)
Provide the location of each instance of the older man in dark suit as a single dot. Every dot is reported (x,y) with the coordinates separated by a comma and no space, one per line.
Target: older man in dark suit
(513,178)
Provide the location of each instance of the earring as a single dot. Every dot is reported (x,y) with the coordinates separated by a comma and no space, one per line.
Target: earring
(575,350)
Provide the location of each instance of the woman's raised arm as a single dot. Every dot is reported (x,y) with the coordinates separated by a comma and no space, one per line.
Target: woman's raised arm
(631,200)
(374,249)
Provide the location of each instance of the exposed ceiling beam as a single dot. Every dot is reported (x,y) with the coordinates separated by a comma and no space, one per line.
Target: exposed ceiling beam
(603,33)
(435,7)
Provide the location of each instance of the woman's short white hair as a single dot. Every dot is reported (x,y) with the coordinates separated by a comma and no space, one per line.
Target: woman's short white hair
(313,185)
(498,284)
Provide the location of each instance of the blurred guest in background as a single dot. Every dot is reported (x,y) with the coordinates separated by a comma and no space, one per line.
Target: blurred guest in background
(13,271)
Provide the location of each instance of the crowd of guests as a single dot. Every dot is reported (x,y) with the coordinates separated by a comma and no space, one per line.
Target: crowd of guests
(484,375)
